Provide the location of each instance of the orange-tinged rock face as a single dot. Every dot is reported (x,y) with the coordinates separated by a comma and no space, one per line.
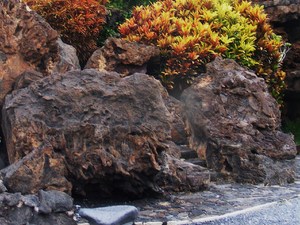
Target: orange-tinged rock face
(43,168)
(10,70)
(27,42)
(104,131)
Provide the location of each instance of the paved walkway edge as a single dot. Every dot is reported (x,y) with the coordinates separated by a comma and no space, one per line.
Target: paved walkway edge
(217,217)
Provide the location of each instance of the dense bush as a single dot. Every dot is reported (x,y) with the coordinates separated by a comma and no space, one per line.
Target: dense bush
(118,11)
(191,33)
(78,21)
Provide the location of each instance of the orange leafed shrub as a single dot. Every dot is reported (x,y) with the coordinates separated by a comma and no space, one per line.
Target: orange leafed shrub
(191,33)
(78,21)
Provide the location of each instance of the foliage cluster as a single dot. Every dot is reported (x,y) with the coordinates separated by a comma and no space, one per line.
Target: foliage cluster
(293,126)
(127,5)
(118,11)
(191,33)
(78,21)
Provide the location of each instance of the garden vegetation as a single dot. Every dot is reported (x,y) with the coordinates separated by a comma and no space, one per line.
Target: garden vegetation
(191,33)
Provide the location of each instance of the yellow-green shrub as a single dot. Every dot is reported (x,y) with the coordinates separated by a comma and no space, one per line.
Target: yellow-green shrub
(191,33)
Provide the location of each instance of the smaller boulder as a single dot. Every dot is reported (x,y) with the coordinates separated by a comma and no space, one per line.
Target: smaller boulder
(123,57)
(20,209)
(178,175)
(54,201)
(40,169)
(68,58)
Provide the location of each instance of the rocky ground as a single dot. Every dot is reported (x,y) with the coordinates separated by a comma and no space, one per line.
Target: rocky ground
(219,199)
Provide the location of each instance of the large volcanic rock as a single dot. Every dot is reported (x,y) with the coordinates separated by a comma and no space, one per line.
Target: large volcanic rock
(93,130)
(27,42)
(235,125)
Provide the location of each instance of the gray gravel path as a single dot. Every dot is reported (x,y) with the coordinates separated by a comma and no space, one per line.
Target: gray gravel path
(224,199)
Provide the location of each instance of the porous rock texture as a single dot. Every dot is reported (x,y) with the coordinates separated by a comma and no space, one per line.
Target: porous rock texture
(42,168)
(20,209)
(88,130)
(281,10)
(27,42)
(123,56)
(235,125)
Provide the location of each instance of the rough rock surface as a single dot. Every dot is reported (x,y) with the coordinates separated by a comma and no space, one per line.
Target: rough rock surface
(123,57)
(42,168)
(178,131)
(96,130)
(20,209)
(27,42)
(235,125)
(281,10)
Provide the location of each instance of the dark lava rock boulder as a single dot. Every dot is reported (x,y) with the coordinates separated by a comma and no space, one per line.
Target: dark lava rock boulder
(20,209)
(235,125)
(42,168)
(95,131)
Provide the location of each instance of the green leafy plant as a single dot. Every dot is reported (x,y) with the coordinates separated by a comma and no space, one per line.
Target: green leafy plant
(127,5)
(118,11)
(78,21)
(294,128)
(191,33)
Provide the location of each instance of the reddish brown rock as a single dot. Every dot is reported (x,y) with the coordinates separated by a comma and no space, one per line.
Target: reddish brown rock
(42,168)
(235,125)
(27,42)
(174,171)
(109,133)
(123,57)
